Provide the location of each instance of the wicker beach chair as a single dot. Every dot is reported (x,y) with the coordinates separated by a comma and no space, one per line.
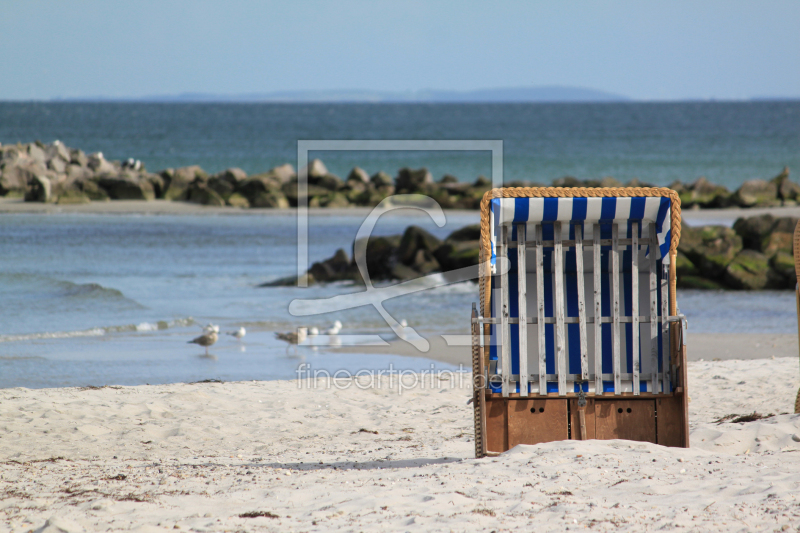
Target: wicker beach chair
(591,275)
(796,251)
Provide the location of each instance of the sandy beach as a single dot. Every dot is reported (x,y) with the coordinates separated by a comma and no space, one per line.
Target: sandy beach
(311,456)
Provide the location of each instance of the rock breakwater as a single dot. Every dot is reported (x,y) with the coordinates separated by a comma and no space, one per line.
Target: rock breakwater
(755,254)
(55,173)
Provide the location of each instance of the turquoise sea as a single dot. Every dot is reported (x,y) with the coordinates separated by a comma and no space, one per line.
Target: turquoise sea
(112,299)
(655,142)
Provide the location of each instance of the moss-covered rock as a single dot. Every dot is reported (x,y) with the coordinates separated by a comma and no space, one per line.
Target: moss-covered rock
(710,248)
(756,193)
(237,200)
(270,199)
(467,233)
(201,193)
(413,181)
(415,239)
(696,282)
(749,270)
(783,275)
(457,254)
(705,194)
(684,267)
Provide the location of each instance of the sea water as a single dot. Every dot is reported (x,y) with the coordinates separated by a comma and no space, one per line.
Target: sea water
(658,143)
(113,299)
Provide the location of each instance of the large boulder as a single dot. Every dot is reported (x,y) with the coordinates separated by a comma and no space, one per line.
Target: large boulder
(273,199)
(381,179)
(37,154)
(315,169)
(177,181)
(415,239)
(14,178)
(788,191)
(336,268)
(358,175)
(126,186)
(78,157)
(749,270)
(334,199)
(57,150)
(467,233)
(71,191)
(753,230)
(100,165)
(39,189)
(455,254)
(201,193)
(330,182)
(783,273)
(705,194)
(237,200)
(567,181)
(226,182)
(381,256)
(283,173)
(756,193)
(413,181)
(710,248)
(766,234)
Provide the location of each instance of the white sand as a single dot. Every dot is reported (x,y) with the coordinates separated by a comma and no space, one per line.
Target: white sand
(197,456)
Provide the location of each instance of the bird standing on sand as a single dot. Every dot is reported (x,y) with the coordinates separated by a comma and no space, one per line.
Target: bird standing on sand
(211,328)
(238,334)
(293,338)
(207,339)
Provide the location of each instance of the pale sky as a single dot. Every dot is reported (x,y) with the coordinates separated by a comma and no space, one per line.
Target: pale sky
(646,50)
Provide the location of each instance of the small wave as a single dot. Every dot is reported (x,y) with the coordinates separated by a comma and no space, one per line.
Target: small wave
(89,290)
(99,332)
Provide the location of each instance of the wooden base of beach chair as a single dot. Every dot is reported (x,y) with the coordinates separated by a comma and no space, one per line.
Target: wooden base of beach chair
(513,421)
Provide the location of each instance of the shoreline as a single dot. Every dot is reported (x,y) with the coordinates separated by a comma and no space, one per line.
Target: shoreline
(693,217)
(700,347)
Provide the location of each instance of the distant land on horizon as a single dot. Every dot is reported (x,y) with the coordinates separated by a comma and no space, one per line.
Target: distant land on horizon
(502,95)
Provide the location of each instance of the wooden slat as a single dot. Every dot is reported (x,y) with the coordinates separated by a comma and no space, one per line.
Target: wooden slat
(653,306)
(598,312)
(540,310)
(665,356)
(558,275)
(615,304)
(505,337)
(581,302)
(565,243)
(643,319)
(522,287)
(635,304)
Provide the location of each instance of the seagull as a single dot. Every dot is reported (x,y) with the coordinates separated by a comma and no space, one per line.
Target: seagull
(211,328)
(206,340)
(293,338)
(337,326)
(239,333)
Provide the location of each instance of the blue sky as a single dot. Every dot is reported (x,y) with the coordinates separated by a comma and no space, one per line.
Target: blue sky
(647,50)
